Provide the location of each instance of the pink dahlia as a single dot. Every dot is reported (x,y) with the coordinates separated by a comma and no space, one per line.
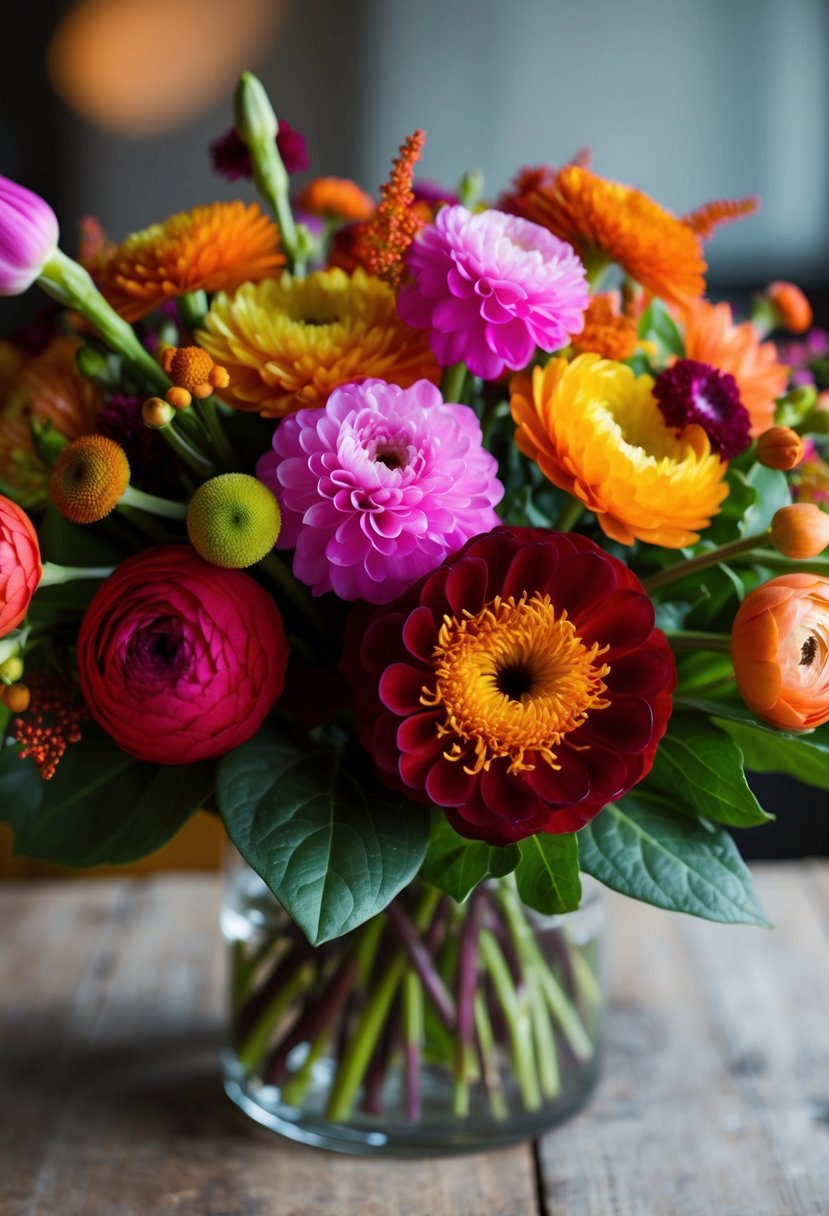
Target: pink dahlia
(491,288)
(377,488)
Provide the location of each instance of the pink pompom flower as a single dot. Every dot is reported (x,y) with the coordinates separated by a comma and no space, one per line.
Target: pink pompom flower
(179,660)
(377,488)
(491,288)
(28,237)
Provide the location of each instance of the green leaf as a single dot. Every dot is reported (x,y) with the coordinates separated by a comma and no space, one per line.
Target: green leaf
(102,807)
(642,848)
(702,769)
(333,849)
(548,874)
(457,865)
(764,750)
(772,491)
(657,325)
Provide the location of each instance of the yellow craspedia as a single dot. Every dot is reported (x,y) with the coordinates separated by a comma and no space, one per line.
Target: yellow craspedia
(88,479)
(596,431)
(233,521)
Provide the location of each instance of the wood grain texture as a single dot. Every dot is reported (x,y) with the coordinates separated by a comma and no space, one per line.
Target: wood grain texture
(715,1097)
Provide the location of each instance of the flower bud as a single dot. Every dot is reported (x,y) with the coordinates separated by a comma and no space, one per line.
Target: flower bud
(157,413)
(800,530)
(792,311)
(16,698)
(12,669)
(780,448)
(255,119)
(28,237)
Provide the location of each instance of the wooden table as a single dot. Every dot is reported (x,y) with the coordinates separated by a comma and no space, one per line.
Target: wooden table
(715,1098)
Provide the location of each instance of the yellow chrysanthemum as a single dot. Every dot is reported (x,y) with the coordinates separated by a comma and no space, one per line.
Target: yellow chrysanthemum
(48,389)
(210,248)
(595,430)
(287,343)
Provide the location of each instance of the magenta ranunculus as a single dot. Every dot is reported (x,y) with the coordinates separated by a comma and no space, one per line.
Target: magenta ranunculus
(491,288)
(377,488)
(178,660)
(28,237)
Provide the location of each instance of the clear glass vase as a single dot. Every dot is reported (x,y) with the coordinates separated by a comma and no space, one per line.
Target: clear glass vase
(436,1027)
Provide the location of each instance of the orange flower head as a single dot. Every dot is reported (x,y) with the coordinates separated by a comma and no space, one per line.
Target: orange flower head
(336,198)
(712,337)
(800,530)
(607,332)
(393,226)
(193,373)
(210,248)
(606,221)
(595,430)
(88,479)
(287,342)
(792,310)
(780,448)
(780,650)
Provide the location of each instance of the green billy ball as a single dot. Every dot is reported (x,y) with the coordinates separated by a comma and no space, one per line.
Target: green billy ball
(233,521)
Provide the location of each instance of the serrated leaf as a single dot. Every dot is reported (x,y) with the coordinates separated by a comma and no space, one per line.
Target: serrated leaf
(456,865)
(642,848)
(548,873)
(102,807)
(702,768)
(333,850)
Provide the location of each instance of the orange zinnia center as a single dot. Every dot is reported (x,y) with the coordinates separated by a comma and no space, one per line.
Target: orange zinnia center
(512,679)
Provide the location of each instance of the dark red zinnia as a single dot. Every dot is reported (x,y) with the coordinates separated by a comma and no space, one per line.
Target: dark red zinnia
(231,159)
(696,392)
(522,685)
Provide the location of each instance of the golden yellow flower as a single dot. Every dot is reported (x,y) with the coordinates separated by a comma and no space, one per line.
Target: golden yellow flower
(287,343)
(595,430)
(605,220)
(210,248)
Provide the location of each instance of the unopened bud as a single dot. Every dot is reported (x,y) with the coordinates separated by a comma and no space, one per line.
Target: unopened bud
(780,448)
(17,698)
(157,413)
(255,119)
(800,530)
(11,669)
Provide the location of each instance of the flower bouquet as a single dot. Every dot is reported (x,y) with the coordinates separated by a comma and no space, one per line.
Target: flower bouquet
(449,552)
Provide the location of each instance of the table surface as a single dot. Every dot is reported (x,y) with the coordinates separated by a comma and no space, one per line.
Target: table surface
(714,1100)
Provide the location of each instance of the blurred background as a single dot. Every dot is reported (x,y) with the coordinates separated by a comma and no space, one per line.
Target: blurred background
(108,107)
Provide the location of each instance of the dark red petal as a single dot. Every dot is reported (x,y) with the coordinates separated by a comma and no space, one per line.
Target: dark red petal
(401,687)
(585,580)
(382,641)
(466,585)
(560,787)
(419,733)
(622,621)
(625,726)
(414,769)
(448,784)
(646,671)
(532,569)
(420,634)
(505,793)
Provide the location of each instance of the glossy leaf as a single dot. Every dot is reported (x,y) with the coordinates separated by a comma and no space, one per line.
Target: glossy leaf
(548,874)
(457,865)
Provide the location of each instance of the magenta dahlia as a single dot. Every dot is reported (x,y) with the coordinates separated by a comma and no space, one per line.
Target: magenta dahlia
(690,391)
(491,288)
(522,686)
(377,488)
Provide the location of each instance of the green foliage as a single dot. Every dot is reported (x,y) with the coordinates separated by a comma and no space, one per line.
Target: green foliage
(457,865)
(657,326)
(334,847)
(764,750)
(642,848)
(548,874)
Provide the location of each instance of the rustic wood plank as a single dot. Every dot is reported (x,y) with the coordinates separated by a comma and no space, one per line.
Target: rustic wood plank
(716,1089)
(112,998)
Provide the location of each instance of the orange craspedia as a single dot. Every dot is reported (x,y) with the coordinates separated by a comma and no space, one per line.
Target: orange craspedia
(336,197)
(607,332)
(780,448)
(800,530)
(607,221)
(792,309)
(209,248)
(88,479)
(712,337)
(193,373)
(780,650)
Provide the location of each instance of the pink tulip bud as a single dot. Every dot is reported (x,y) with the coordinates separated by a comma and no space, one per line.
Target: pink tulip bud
(28,237)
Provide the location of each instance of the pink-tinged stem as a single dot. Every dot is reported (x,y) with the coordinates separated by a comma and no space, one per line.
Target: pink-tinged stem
(419,957)
(287,966)
(378,1067)
(319,1013)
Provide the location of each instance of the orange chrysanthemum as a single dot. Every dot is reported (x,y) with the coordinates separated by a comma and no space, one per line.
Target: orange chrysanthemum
(606,331)
(287,342)
(596,431)
(606,221)
(338,197)
(46,389)
(212,248)
(712,337)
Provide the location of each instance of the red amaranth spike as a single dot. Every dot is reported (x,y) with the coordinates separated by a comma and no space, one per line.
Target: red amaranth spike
(387,235)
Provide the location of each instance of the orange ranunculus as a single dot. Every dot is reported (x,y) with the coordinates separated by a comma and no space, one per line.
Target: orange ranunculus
(780,649)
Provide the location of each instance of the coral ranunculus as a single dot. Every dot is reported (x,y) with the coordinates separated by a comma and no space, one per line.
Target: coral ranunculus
(522,686)
(178,660)
(780,649)
(20,569)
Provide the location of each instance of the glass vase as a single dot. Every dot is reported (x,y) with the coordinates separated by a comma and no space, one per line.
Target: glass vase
(436,1027)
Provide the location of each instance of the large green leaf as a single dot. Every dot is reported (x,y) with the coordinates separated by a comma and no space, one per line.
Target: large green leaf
(548,874)
(102,807)
(701,769)
(764,750)
(772,491)
(333,849)
(456,865)
(642,848)
(656,325)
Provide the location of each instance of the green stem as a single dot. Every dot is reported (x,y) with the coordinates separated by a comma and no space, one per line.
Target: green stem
(53,575)
(192,306)
(697,639)
(569,515)
(713,557)
(68,283)
(531,962)
(453,382)
(252,1051)
(294,591)
(153,505)
(207,410)
(517,1016)
(492,1077)
(787,565)
(195,460)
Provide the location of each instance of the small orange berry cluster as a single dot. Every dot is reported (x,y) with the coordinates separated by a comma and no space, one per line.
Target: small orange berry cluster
(193,373)
(52,724)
